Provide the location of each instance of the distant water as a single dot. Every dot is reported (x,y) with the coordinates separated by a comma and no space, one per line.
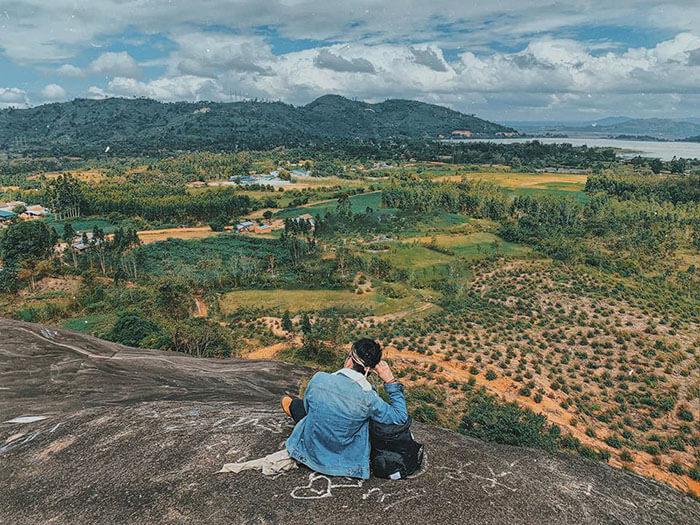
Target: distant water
(630,148)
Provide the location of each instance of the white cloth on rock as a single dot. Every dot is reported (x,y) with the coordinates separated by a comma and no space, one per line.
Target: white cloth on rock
(271,465)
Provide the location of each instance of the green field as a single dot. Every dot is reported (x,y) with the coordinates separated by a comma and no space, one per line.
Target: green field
(83,225)
(414,253)
(296,301)
(95,324)
(358,204)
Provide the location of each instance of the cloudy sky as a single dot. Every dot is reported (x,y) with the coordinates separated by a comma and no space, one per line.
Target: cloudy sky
(499,59)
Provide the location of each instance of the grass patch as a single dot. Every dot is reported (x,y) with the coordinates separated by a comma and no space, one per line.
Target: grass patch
(95,324)
(414,254)
(358,204)
(83,225)
(296,301)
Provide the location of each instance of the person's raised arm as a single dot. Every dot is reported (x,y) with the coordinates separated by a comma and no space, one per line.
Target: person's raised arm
(383,412)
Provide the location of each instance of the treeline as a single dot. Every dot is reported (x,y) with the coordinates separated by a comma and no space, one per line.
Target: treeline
(520,155)
(604,230)
(476,198)
(626,186)
(622,236)
(158,202)
(15,172)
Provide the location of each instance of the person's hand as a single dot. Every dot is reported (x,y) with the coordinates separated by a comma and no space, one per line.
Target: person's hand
(384,372)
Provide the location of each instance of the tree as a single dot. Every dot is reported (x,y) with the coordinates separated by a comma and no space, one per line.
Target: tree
(68,233)
(131,329)
(219,223)
(287,325)
(27,241)
(305,323)
(174,298)
(656,166)
(9,280)
(64,196)
(202,339)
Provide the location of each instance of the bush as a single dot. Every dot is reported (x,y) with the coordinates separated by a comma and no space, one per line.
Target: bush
(131,329)
(425,413)
(676,468)
(694,473)
(508,424)
(626,456)
(200,338)
(685,414)
(613,441)
(490,375)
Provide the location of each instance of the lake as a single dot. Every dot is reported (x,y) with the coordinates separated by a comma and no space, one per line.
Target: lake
(630,148)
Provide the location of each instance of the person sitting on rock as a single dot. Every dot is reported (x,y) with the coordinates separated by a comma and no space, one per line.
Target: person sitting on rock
(332,431)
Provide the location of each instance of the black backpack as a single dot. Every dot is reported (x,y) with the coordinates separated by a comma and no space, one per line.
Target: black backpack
(395,454)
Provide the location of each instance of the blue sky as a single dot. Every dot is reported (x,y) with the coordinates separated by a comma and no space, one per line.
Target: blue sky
(506,60)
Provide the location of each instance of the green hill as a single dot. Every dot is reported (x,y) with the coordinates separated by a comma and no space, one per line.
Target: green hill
(142,125)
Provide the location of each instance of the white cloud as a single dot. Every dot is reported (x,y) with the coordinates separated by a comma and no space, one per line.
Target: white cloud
(115,65)
(374,49)
(213,54)
(69,70)
(549,74)
(37,30)
(13,97)
(184,87)
(53,93)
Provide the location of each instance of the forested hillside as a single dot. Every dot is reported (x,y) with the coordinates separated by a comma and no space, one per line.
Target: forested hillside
(132,126)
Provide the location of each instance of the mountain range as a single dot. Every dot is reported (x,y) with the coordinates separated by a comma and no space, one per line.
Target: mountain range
(660,128)
(143,125)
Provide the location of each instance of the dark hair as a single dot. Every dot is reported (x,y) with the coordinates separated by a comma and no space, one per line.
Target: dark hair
(369,351)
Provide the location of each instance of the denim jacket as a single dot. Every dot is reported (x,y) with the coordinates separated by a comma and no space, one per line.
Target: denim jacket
(333,438)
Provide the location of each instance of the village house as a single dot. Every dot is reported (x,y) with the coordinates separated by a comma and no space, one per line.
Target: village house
(6,216)
(80,245)
(461,134)
(12,205)
(30,212)
(244,226)
(243,180)
(35,211)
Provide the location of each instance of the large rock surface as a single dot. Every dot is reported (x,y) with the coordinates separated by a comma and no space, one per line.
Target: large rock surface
(137,436)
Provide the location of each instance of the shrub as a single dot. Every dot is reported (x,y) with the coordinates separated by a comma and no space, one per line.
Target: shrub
(509,424)
(613,441)
(626,456)
(131,329)
(676,468)
(490,375)
(685,414)
(425,413)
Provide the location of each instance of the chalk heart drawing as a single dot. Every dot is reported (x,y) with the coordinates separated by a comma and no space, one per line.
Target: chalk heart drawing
(320,486)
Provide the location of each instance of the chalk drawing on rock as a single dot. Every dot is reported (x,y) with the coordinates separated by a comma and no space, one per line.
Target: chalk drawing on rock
(494,483)
(320,486)
(266,423)
(393,498)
